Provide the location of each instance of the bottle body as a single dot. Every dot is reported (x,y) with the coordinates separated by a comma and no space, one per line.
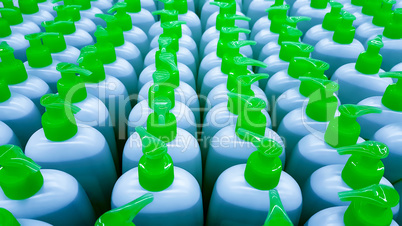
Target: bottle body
(317,33)
(18,43)
(271,48)
(398,187)
(212,46)
(38,18)
(259,25)
(25,28)
(209,36)
(142,19)
(79,39)
(86,25)
(139,38)
(367,30)
(132,54)
(275,64)
(123,71)
(194,23)
(285,103)
(48,74)
(316,15)
(7,135)
(207,10)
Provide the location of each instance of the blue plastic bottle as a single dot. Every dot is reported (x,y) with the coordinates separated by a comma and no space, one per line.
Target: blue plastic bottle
(397,67)
(82,151)
(59,49)
(253,182)
(140,17)
(8,135)
(166,16)
(177,195)
(15,40)
(14,18)
(31,12)
(7,218)
(48,195)
(72,12)
(316,10)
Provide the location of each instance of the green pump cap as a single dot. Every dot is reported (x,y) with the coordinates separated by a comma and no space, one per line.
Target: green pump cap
(181,6)
(369,61)
(289,34)
(370,7)
(71,87)
(162,123)
(289,50)
(166,15)
(167,62)
(114,31)
(155,168)
(7,218)
(133,6)
(300,66)
(90,61)
(5,29)
(161,88)
(231,52)
(332,19)
(173,28)
(228,20)
(13,70)
(278,11)
(345,32)
(105,48)
(225,7)
(277,215)
(239,68)
(20,176)
(64,27)
(67,12)
(322,103)
(28,6)
(237,102)
(264,167)
(343,130)
(384,14)
(38,55)
(250,117)
(392,97)
(169,5)
(364,167)
(226,35)
(5,92)
(279,19)
(357,2)
(125,214)
(168,44)
(85,4)
(293,20)
(11,14)
(123,19)
(393,29)
(370,205)
(319,4)
(54,41)
(244,83)
(58,121)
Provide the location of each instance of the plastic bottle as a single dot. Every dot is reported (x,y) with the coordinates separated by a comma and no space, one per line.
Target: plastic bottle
(177,195)
(31,12)
(83,151)
(381,17)
(14,74)
(181,145)
(72,12)
(390,103)
(228,148)
(7,218)
(328,26)
(131,33)
(58,47)
(40,63)
(257,9)
(280,61)
(14,18)
(265,22)
(362,75)
(15,40)
(363,168)
(253,182)
(376,199)
(8,135)
(162,87)
(25,189)
(86,10)
(140,17)
(347,48)
(369,9)
(125,214)
(19,113)
(166,16)
(317,150)
(73,36)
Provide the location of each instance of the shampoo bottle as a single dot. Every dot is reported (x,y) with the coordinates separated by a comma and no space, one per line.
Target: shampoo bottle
(14,17)
(192,20)
(8,135)
(72,12)
(7,218)
(15,40)
(166,16)
(31,12)
(140,17)
(58,47)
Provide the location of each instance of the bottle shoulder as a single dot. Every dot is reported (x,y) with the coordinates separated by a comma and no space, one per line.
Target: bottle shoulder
(18,106)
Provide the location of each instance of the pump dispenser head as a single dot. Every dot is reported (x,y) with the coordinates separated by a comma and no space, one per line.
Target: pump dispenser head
(370,205)
(305,66)
(54,41)
(263,168)
(166,15)
(333,18)
(277,215)
(227,35)
(90,61)
(319,4)
(61,26)
(173,29)
(364,167)
(370,7)
(71,87)
(228,20)
(133,6)
(114,31)
(104,47)
(384,15)
(13,70)
(38,55)
(345,32)
(123,19)
(225,7)
(369,62)
(7,218)
(239,68)
(293,20)
(161,88)
(11,13)
(289,50)
(20,177)
(167,62)
(85,4)
(67,12)
(250,116)
(5,29)
(125,214)
(155,168)
(289,34)
(343,130)
(237,102)
(162,123)
(244,83)
(392,97)
(168,44)
(277,15)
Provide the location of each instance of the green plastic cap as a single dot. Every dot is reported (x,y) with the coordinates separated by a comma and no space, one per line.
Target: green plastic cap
(384,15)
(62,26)
(5,29)
(167,62)
(343,130)
(345,32)
(67,12)
(133,6)
(322,103)
(250,117)
(71,87)
(28,6)
(333,18)
(90,61)
(162,123)
(168,44)
(289,50)
(364,167)
(11,14)
(319,4)
(239,68)
(289,34)
(280,11)
(173,28)
(293,20)
(54,41)
(231,52)
(104,47)
(264,167)
(357,2)
(370,205)
(228,20)
(181,6)
(369,61)
(166,15)
(13,70)
(370,7)
(392,97)
(155,168)
(20,176)
(114,31)
(123,19)
(5,93)
(7,218)
(237,102)
(393,29)
(304,66)
(277,215)
(244,83)
(124,215)
(227,35)
(225,7)
(85,4)
(161,88)
(278,21)
(38,55)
